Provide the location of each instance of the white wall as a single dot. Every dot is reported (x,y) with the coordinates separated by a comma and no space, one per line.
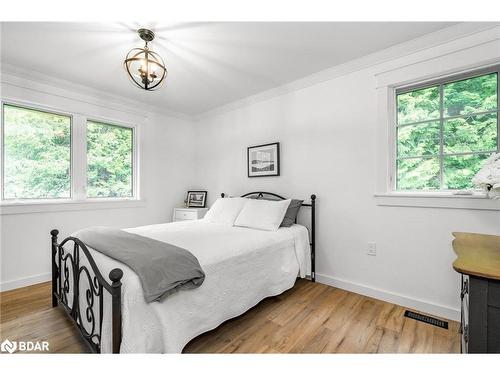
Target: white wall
(327,134)
(165,159)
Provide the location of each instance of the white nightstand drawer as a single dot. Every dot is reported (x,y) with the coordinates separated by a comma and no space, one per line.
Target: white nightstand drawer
(181,214)
(186,215)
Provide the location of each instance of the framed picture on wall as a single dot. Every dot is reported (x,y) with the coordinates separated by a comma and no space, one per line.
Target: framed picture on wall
(263,160)
(196,199)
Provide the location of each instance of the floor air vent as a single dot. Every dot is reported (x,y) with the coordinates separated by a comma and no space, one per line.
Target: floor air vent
(426,319)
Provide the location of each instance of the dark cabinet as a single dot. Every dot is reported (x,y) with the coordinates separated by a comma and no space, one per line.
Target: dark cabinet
(479,263)
(480,315)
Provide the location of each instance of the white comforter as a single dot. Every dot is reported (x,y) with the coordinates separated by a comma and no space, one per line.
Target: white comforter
(242,267)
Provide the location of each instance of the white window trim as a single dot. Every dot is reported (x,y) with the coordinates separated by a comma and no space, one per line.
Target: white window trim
(438,200)
(57,205)
(458,57)
(78,199)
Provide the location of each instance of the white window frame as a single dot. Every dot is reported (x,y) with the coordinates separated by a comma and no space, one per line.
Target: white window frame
(385,193)
(440,82)
(78,199)
(449,57)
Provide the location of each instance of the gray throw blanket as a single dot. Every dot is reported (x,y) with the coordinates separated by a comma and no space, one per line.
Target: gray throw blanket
(162,268)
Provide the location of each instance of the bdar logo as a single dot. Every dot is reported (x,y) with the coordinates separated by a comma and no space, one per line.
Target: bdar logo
(8,346)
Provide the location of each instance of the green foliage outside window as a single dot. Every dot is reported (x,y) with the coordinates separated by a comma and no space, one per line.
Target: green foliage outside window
(471,95)
(418,105)
(109,160)
(445,132)
(37,154)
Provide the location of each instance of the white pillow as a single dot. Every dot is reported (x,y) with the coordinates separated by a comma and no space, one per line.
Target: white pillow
(262,214)
(225,210)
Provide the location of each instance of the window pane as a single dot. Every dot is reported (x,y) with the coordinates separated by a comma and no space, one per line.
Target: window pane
(37,154)
(417,140)
(418,174)
(419,105)
(471,95)
(109,160)
(459,170)
(474,133)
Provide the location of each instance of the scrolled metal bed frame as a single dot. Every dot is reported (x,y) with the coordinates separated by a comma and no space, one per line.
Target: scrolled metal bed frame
(65,261)
(67,272)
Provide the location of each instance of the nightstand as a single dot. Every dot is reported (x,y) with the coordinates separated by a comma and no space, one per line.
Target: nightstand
(192,213)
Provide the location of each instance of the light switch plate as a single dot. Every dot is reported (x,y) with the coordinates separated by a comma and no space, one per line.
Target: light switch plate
(372,249)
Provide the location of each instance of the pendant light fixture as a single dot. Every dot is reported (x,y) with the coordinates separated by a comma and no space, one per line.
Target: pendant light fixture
(145,67)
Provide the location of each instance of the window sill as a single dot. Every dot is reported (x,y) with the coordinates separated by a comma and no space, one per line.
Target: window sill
(437,200)
(28,207)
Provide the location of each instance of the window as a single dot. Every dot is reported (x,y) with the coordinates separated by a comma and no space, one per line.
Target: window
(109,160)
(48,155)
(36,154)
(444,131)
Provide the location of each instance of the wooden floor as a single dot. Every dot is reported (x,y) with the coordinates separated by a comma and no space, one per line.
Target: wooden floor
(309,318)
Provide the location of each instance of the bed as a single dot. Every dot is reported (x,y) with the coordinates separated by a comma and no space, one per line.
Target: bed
(242,266)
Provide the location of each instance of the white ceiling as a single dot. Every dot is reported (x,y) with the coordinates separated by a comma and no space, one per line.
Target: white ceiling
(209,64)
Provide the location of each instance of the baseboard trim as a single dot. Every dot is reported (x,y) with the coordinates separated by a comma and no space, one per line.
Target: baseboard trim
(26,281)
(398,299)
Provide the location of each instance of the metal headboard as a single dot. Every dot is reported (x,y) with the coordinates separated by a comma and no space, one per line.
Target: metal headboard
(266,195)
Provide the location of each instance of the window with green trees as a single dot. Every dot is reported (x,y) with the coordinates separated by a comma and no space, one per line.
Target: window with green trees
(445,131)
(48,155)
(36,154)
(109,160)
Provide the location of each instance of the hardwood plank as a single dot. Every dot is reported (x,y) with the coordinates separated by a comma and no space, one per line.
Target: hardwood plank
(444,342)
(318,312)
(253,340)
(392,317)
(315,343)
(343,312)
(226,333)
(17,303)
(416,337)
(296,302)
(309,318)
(287,337)
(362,326)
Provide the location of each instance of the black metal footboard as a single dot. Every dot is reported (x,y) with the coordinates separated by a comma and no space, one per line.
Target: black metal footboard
(67,277)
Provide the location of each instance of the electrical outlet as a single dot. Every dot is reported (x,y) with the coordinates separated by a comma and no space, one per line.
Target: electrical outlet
(372,249)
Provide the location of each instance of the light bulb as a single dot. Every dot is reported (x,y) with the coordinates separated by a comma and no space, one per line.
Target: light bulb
(142,68)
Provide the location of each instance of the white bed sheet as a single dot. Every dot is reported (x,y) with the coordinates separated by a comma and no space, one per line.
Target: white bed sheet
(242,267)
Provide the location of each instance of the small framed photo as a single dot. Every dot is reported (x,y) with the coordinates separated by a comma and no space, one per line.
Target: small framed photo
(264,160)
(197,199)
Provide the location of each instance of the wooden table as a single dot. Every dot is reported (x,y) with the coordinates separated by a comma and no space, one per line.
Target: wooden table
(477,254)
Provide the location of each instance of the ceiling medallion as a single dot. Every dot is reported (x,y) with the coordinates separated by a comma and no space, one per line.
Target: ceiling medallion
(145,67)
